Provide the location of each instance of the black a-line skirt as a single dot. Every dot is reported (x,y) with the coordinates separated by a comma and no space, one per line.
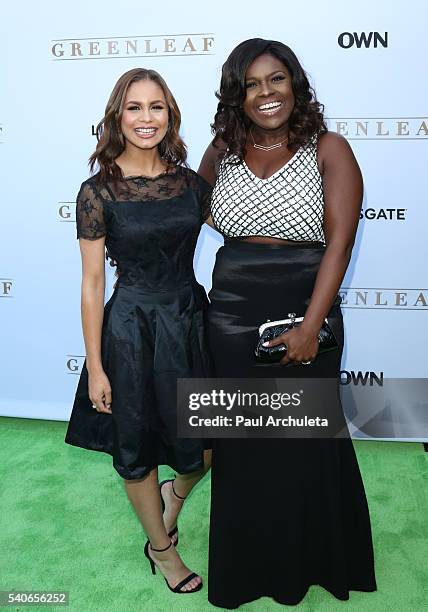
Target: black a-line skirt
(285,513)
(150,339)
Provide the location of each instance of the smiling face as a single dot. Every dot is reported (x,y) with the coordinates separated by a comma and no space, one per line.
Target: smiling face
(269,100)
(145,115)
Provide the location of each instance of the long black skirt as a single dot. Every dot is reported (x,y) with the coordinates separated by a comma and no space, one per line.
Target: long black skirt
(285,513)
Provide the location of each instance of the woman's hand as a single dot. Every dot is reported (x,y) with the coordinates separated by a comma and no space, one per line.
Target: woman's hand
(301,344)
(100,391)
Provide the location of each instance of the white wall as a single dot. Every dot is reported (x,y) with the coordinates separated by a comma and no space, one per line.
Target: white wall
(50,102)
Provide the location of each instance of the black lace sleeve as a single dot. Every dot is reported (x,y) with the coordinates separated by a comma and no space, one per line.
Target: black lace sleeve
(89,213)
(205,193)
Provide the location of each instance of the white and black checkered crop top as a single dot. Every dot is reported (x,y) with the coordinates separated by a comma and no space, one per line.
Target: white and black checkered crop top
(288,205)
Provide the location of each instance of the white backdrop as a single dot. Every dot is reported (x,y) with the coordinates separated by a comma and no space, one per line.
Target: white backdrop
(59,63)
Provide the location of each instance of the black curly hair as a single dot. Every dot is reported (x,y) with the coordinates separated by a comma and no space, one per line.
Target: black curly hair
(230,122)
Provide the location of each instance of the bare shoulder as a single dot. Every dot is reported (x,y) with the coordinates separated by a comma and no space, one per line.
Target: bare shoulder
(211,160)
(333,142)
(216,152)
(333,148)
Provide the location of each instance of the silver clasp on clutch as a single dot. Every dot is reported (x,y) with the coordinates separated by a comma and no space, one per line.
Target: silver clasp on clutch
(292,317)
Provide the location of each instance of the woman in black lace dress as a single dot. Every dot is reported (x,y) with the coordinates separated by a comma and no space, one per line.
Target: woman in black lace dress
(146,208)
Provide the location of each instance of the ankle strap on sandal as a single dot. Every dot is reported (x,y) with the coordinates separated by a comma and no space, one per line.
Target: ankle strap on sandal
(160,549)
(176,494)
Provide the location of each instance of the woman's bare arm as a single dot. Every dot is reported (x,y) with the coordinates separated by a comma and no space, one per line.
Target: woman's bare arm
(92,308)
(343,192)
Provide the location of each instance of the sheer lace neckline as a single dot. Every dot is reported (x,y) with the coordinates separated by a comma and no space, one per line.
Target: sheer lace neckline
(95,201)
(166,172)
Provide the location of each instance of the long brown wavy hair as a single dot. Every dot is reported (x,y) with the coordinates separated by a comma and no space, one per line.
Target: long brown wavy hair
(231,123)
(111,142)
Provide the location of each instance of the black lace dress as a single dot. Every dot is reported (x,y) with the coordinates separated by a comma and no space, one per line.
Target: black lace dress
(154,323)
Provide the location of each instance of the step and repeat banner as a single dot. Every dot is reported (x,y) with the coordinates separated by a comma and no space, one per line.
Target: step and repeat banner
(367,62)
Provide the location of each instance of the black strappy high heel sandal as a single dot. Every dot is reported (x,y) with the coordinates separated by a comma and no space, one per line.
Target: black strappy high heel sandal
(180,585)
(174,530)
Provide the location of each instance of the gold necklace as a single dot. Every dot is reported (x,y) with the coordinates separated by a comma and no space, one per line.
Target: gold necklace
(270,147)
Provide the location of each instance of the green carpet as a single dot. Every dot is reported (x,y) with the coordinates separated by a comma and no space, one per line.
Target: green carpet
(66,524)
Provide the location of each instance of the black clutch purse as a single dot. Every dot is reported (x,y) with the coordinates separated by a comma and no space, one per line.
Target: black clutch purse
(273,329)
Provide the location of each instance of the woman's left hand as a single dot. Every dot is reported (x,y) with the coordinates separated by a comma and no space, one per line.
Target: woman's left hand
(302,346)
